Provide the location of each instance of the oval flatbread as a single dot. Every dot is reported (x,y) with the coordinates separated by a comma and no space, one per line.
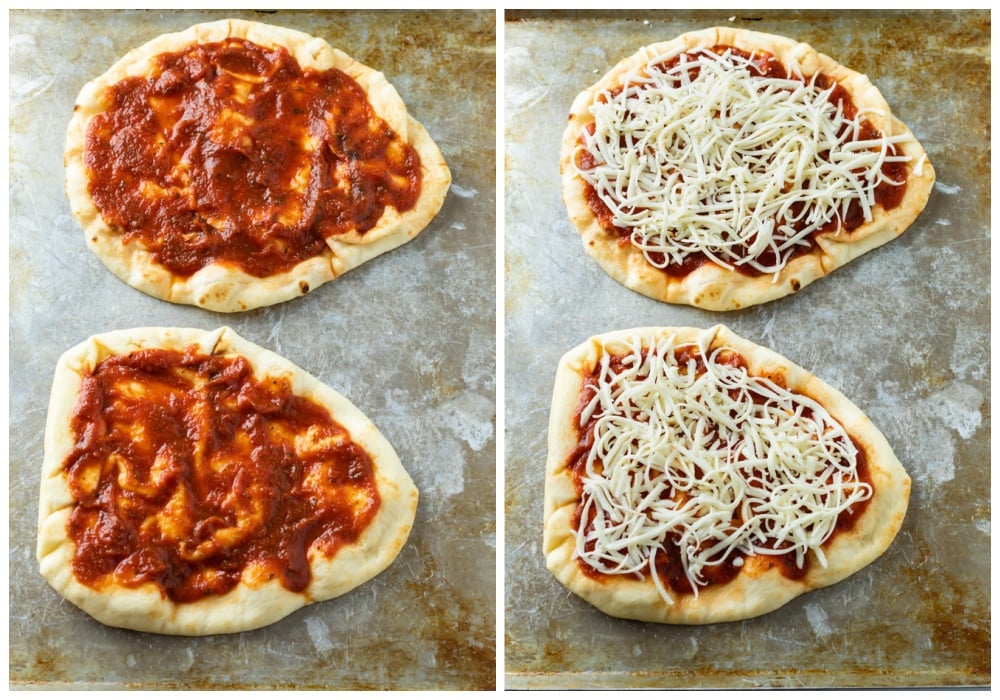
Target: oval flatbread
(695,477)
(195,483)
(726,168)
(237,164)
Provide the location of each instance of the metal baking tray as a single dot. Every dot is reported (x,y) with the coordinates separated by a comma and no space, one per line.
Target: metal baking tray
(903,331)
(409,338)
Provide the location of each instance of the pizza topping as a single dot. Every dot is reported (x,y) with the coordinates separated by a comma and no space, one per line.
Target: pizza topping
(191,473)
(689,466)
(232,153)
(722,155)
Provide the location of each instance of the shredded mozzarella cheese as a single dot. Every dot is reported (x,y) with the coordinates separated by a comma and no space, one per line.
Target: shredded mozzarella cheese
(710,157)
(718,462)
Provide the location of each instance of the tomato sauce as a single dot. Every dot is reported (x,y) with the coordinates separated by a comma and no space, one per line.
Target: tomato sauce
(187,470)
(232,153)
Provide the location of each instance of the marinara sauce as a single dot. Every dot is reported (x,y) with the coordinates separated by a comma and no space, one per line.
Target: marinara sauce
(668,559)
(887,194)
(230,152)
(187,470)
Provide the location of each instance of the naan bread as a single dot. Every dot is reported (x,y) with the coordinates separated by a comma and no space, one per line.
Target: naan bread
(651,480)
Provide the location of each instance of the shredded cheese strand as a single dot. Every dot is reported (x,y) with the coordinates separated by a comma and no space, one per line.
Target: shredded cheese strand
(718,461)
(710,157)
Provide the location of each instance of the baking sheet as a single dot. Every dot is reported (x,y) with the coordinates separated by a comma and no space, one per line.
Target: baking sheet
(409,338)
(903,331)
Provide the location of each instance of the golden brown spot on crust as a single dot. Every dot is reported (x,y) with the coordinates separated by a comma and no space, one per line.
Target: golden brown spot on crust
(795,285)
(303,286)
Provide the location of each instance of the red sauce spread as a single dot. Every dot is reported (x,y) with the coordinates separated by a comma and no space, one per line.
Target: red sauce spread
(669,562)
(187,470)
(887,195)
(206,159)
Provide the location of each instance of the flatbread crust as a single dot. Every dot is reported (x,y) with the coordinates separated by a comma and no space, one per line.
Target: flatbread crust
(711,286)
(250,604)
(222,287)
(754,591)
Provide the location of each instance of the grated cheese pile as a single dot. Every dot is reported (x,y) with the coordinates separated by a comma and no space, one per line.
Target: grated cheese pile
(720,462)
(711,157)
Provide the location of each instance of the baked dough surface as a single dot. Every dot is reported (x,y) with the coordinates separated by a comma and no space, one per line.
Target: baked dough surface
(223,287)
(712,286)
(756,589)
(251,603)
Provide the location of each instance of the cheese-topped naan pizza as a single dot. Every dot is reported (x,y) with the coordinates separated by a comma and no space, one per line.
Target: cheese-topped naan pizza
(696,477)
(726,168)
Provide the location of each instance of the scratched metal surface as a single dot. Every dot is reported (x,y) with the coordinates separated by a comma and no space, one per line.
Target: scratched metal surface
(408,337)
(903,331)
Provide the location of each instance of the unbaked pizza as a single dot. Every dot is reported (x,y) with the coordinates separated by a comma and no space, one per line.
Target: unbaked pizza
(238,164)
(727,168)
(695,477)
(195,483)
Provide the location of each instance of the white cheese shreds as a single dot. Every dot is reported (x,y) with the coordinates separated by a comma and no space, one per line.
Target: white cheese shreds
(711,157)
(708,462)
